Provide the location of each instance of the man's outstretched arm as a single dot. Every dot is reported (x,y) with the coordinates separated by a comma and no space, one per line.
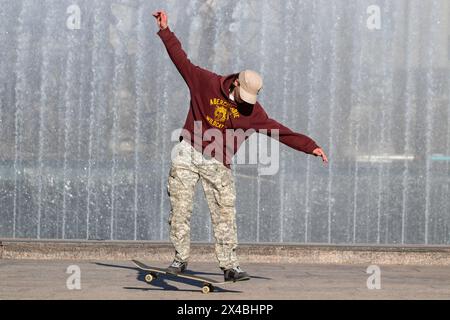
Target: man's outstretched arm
(288,137)
(187,69)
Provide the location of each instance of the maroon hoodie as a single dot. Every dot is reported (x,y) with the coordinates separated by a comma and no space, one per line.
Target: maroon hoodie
(212,108)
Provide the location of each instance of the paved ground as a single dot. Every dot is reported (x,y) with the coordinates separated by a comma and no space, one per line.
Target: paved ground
(27,279)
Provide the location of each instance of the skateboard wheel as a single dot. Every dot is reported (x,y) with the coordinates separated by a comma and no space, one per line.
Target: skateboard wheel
(149,277)
(207,288)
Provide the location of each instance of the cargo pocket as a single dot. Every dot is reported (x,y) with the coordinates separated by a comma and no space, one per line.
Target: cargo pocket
(225,193)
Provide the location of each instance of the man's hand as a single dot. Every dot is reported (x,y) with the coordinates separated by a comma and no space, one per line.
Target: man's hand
(161,19)
(319,152)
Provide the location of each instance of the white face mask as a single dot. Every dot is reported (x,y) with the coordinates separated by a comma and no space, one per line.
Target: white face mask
(231,96)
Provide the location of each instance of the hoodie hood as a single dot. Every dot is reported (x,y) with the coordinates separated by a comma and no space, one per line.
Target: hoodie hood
(225,83)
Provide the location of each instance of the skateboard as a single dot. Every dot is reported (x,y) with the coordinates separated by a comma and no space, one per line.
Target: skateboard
(207,283)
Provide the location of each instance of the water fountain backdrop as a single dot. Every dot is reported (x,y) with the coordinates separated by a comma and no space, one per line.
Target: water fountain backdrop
(87,114)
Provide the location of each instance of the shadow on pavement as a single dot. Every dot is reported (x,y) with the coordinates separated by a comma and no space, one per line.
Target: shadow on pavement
(197,273)
(160,281)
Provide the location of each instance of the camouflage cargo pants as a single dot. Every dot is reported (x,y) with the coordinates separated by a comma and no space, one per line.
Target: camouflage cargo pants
(188,167)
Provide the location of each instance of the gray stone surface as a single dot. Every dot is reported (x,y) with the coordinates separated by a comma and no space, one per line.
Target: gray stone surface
(28,279)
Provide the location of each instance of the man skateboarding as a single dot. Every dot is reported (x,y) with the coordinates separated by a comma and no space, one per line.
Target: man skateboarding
(218,103)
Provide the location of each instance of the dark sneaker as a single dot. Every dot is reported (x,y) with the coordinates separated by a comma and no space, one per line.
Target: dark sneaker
(177,267)
(235,274)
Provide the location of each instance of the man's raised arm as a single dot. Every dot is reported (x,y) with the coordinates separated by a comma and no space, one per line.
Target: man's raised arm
(188,71)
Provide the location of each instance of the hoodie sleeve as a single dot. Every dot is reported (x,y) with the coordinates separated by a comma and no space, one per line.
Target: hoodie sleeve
(191,73)
(264,124)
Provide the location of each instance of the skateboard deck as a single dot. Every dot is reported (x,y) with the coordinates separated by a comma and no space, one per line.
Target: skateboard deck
(207,283)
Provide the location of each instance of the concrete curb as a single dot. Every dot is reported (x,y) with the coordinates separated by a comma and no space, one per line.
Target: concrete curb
(248,253)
